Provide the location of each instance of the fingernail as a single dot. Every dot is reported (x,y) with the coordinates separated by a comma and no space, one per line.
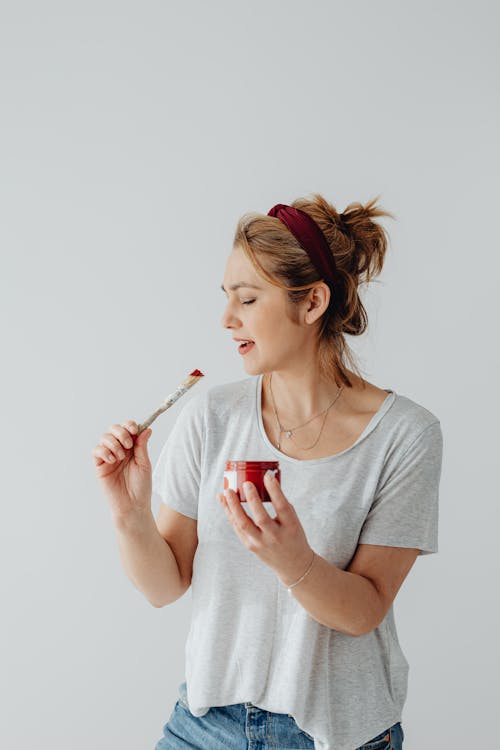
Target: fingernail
(270,475)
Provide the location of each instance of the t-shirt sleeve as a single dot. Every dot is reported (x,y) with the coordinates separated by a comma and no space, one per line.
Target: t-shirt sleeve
(177,472)
(405,510)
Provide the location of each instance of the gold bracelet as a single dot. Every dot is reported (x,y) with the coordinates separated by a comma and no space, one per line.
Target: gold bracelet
(301,579)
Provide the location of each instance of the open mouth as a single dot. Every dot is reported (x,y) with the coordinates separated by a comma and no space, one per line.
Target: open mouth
(246,346)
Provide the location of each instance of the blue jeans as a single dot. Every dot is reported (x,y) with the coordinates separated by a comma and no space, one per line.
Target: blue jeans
(243,726)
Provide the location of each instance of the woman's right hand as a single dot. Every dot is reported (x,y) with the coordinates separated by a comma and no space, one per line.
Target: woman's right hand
(122,465)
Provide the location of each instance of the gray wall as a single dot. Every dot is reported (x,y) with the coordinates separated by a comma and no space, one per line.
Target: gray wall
(132,137)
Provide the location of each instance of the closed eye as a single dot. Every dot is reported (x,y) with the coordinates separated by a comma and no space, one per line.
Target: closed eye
(248,302)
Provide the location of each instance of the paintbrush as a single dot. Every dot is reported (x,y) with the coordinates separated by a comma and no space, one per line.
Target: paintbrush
(191,379)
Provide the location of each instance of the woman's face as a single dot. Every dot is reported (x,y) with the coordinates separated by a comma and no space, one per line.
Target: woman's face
(261,312)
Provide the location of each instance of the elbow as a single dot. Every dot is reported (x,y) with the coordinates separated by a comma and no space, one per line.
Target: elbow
(368,627)
(373,617)
(360,633)
(171,599)
(158,605)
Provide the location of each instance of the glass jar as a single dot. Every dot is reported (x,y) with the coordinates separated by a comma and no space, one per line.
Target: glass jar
(238,472)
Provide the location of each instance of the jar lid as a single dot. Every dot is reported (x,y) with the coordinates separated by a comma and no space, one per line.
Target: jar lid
(256,465)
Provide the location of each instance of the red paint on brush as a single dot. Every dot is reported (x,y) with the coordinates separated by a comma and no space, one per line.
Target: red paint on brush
(197,372)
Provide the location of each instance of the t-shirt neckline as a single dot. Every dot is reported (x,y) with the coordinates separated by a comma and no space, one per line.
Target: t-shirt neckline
(383,409)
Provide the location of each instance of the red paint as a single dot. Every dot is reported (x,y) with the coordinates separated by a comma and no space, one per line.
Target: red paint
(197,372)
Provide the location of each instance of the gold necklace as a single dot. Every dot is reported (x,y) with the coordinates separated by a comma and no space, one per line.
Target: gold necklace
(290,431)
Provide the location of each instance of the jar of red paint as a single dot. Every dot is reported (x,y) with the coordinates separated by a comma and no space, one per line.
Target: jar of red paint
(238,472)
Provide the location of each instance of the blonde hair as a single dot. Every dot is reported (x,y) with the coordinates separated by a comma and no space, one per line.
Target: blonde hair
(358,245)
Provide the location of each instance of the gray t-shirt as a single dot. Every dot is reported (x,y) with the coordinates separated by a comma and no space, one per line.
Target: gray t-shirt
(249,639)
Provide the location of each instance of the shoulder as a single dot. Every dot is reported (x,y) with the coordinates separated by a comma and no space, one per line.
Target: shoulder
(411,415)
(414,430)
(404,418)
(416,409)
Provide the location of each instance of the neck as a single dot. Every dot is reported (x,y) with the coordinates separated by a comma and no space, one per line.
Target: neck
(298,396)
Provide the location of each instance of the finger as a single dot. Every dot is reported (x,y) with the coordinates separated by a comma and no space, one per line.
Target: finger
(102,454)
(113,444)
(278,499)
(223,501)
(241,533)
(259,513)
(131,426)
(239,518)
(98,460)
(122,435)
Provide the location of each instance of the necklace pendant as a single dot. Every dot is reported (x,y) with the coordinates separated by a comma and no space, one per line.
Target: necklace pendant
(289,434)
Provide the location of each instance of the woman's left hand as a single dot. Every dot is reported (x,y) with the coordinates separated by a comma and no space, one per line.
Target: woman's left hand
(279,542)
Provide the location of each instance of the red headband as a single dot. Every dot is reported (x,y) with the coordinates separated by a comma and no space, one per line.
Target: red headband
(310,237)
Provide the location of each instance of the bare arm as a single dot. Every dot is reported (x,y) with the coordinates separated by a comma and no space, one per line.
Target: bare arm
(356,600)
(148,560)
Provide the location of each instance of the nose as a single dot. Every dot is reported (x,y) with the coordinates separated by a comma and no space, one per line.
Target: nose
(227,319)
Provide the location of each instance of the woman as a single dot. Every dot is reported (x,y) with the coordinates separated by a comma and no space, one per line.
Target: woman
(292,642)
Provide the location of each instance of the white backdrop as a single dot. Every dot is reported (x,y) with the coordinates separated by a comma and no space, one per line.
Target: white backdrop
(133,136)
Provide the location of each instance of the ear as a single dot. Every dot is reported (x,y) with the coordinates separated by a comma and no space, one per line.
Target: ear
(316,302)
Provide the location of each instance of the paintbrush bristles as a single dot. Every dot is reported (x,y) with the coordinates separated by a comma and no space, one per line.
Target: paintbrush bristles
(171,399)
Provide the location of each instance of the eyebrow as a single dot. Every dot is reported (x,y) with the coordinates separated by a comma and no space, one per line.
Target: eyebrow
(240,284)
